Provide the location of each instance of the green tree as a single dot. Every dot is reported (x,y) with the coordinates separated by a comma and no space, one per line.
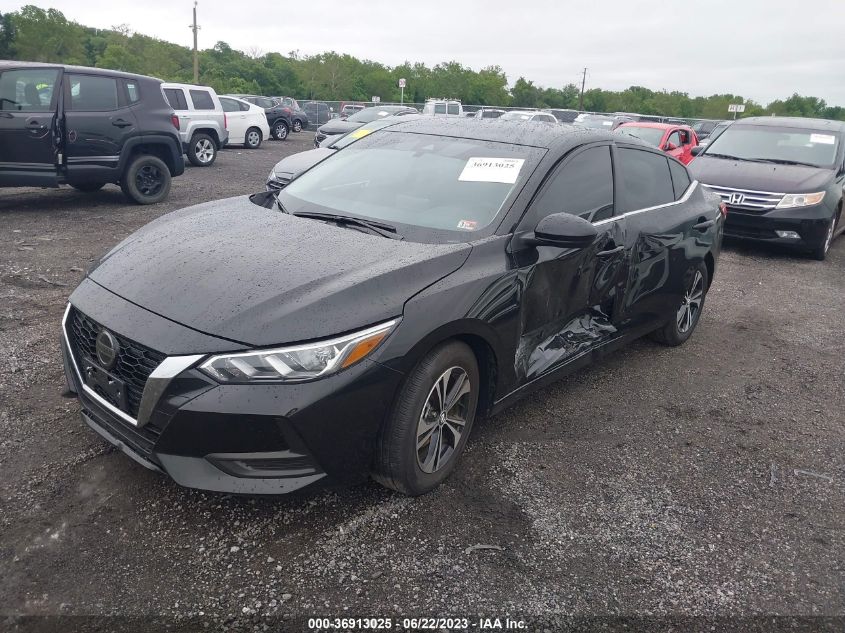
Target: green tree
(47,36)
(525,94)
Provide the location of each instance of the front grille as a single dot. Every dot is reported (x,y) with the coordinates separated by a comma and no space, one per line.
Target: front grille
(135,362)
(746,199)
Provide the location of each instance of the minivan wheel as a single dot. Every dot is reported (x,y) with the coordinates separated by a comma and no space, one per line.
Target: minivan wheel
(252,139)
(681,326)
(202,150)
(427,430)
(297,125)
(88,187)
(146,180)
(821,251)
(280,130)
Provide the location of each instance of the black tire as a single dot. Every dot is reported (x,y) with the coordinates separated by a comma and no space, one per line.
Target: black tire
(146,180)
(252,138)
(280,130)
(297,125)
(678,330)
(88,187)
(399,463)
(202,150)
(821,251)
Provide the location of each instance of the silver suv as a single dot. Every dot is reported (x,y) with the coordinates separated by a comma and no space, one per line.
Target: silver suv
(202,122)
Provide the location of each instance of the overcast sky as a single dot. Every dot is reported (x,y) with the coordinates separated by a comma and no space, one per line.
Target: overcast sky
(761,49)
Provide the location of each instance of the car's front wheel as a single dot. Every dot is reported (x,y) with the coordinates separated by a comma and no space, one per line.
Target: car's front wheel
(280,130)
(821,251)
(252,139)
(428,428)
(297,125)
(682,324)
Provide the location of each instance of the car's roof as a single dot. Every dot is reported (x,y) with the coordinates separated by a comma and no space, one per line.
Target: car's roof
(175,84)
(512,132)
(5,65)
(793,121)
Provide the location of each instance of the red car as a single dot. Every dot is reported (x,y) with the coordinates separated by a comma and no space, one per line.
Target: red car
(675,140)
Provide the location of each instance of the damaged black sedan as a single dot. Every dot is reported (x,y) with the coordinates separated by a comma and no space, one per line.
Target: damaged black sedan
(425,276)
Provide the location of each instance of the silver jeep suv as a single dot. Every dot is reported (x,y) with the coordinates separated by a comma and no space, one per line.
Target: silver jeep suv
(202,121)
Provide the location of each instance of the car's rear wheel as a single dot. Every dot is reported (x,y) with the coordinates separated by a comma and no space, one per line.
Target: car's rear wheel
(146,180)
(430,421)
(280,130)
(821,251)
(252,139)
(88,187)
(202,150)
(682,324)
(297,125)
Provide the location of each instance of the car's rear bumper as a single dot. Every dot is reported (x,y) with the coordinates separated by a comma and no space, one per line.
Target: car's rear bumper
(809,225)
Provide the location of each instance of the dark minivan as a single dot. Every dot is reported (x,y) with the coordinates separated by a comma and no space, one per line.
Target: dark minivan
(782,179)
(86,127)
(432,272)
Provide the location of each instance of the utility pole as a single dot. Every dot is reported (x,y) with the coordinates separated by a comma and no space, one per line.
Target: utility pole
(195,28)
(581,98)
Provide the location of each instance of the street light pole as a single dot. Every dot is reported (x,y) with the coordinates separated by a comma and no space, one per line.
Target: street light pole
(195,28)
(581,98)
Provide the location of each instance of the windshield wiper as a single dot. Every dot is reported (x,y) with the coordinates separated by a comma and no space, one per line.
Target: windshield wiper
(727,156)
(782,161)
(378,228)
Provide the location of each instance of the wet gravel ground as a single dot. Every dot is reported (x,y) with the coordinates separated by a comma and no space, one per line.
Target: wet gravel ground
(703,480)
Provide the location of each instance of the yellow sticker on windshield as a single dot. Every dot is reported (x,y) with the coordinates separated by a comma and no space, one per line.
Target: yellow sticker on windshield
(360,133)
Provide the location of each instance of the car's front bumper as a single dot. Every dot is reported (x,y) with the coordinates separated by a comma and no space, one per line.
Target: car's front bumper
(248,439)
(810,224)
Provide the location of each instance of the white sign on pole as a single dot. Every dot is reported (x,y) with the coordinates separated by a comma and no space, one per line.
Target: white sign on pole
(376,99)
(736,107)
(402,83)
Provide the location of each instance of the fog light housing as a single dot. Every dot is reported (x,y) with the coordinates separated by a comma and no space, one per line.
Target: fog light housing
(788,235)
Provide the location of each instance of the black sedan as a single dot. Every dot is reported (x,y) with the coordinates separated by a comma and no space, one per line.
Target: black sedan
(339,127)
(782,179)
(360,322)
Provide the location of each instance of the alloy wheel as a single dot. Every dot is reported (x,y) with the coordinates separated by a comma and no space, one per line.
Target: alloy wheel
(204,150)
(297,126)
(252,138)
(149,180)
(443,419)
(691,305)
(281,132)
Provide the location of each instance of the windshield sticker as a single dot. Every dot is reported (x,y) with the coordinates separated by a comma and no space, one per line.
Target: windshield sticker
(468,225)
(359,133)
(824,139)
(481,169)
(607,122)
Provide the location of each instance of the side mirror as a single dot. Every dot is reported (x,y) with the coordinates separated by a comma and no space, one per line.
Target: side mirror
(563,230)
(697,149)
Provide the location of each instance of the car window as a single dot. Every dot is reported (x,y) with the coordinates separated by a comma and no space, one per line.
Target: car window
(230,105)
(454,108)
(176,98)
(265,103)
(675,138)
(202,100)
(133,92)
(244,107)
(778,143)
(582,186)
(28,90)
(680,178)
(646,181)
(92,94)
(650,135)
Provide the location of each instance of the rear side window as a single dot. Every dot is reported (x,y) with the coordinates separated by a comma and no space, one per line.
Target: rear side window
(202,100)
(133,92)
(28,90)
(680,178)
(645,179)
(439,108)
(582,186)
(176,98)
(243,106)
(454,108)
(92,94)
(230,105)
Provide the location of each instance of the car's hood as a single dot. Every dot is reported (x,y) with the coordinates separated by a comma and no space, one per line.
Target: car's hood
(291,166)
(759,176)
(261,277)
(335,127)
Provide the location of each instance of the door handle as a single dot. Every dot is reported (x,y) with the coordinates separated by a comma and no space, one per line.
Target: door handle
(121,123)
(35,124)
(610,252)
(703,226)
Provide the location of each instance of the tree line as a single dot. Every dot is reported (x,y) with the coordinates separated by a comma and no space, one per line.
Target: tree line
(36,34)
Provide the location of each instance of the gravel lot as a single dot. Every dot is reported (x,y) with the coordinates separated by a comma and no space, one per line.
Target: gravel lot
(704,480)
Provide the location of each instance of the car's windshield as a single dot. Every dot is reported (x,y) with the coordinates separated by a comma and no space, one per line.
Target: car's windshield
(651,135)
(777,144)
(426,182)
(516,116)
(596,122)
(370,114)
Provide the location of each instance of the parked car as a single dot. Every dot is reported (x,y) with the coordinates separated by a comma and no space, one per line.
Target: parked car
(110,127)
(675,140)
(782,179)
(246,121)
(359,330)
(444,107)
(339,127)
(278,115)
(291,166)
(528,115)
(704,127)
(564,116)
(202,121)
(348,109)
(317,112)
(488,113)
(597,121)
(298,116)
(714,133)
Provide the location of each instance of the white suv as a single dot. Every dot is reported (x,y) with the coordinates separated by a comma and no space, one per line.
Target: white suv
(202,121)
(444,107)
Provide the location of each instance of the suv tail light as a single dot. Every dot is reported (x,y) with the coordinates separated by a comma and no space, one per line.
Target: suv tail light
(174,120)
(724,209)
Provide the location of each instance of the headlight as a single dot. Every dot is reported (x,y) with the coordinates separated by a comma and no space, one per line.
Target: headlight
(299,362)
(792,200)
